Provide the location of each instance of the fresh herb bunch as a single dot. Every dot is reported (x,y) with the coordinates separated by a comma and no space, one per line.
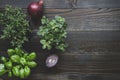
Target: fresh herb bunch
(53,33)
(18,63)
(15,26)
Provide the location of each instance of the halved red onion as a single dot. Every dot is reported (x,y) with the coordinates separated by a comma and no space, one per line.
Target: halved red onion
(51,60)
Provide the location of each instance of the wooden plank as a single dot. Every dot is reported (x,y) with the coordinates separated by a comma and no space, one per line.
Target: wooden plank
(88,52)
(85,41)
(79,41)
(16,3)
(72,76)
(97,3)
(66,3)
(88,19)
(90,63)
(82,63)
(25,3)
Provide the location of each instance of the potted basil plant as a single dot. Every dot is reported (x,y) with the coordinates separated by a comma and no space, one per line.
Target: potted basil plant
(52,35)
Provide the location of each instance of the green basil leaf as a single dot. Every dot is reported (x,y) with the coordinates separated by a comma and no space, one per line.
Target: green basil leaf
(15,58)
(11,52)
(19,51)
(16,71)
(23,61)
(2,72)
(10,73)
(8,65)
(3,59)
(31,56)
(32,64)
(22,73)
(27,71)
(2,66)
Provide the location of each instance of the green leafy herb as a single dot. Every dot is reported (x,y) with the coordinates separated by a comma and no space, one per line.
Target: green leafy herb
(16,27)
(18,63)
(2,69)
(53,33)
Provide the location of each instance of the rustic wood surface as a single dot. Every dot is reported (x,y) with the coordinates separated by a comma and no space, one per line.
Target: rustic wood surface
(66,3)
(93,38)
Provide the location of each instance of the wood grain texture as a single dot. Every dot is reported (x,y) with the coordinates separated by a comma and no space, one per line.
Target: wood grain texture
(98,3)
(87,41)
(15,3)
(93,37)
(88,19)
(72,76)
(80,40)
(88,52)
(79,77)
(89,65)
(66,3)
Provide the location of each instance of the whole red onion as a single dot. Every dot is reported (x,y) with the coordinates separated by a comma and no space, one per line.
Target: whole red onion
(35,9)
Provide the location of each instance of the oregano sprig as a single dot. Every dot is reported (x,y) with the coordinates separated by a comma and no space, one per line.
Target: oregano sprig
(15,26)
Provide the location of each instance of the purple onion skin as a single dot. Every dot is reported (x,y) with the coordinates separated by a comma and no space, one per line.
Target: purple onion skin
(35,9)
(49,63)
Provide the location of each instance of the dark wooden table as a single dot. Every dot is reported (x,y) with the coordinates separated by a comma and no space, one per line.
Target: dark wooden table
(93,38)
